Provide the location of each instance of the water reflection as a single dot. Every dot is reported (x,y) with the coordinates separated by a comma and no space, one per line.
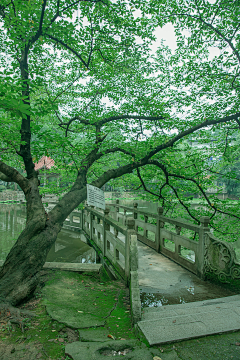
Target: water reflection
(67,248)
(157,299)
(195,290)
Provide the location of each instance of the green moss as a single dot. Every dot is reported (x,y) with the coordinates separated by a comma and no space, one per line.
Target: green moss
(68,292)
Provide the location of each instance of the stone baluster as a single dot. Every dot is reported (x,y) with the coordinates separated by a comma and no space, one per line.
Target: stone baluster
(124,217)
(117,210)
(135,214)
(106,227)
(160,225)
(130,232)
(178,229)
(91,216)
(203,230)
(145,231)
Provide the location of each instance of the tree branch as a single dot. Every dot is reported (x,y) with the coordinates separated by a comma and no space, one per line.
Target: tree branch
(143,184)
(68,47)
(9,174)
(218,32)
(113,150)
(190,131)
(122,117)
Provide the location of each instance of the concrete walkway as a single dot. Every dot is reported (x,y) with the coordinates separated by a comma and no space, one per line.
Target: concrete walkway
(194,307)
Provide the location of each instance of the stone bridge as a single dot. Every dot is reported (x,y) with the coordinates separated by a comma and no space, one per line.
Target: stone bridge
(155,253)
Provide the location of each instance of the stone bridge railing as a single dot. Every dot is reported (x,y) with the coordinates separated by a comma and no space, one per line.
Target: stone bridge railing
(115,232)
(115,243)
(151,230)
(205,256)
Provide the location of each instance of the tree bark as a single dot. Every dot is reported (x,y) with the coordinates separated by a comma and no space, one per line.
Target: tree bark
(19,275)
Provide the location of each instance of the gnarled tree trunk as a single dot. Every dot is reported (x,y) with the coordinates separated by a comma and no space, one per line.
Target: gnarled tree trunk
(19,275)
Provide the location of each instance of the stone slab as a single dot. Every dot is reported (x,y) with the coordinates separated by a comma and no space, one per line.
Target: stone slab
(184,309)
(97,335)
(165,326)
(70,266)
(73,266)
(72,319)
(94,350)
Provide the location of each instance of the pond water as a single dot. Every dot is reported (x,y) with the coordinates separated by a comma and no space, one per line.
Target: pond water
(67,248)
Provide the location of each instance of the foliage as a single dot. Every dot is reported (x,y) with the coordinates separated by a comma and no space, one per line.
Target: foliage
(79,81)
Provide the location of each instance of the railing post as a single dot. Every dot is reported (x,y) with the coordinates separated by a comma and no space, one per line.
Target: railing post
(117,210)
(71,219)
(81,219)
(124,217)
(204,220)
(132,279)
(130,232)
(135,214)
(160,225)
(106,227)
(91,221)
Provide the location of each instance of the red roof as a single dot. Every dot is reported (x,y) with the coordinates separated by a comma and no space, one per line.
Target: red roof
(44,163)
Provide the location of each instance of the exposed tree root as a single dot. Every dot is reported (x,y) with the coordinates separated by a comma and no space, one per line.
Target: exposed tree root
(10,316)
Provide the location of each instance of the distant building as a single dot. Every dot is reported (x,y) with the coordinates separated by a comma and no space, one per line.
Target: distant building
(44,164)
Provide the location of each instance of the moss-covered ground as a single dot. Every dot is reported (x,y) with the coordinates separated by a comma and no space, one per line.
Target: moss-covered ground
(65,303)
(75,301)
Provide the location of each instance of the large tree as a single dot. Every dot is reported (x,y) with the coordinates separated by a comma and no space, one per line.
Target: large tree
(78,84)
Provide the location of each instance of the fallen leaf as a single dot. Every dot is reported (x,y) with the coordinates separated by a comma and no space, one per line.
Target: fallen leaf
(80,311)
(174,321)
(237,344)
(54,330)
(111,337)
(157,358)
(61,340)
(150,264)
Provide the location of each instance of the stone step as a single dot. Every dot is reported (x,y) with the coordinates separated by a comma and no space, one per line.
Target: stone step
(185,321)
(187,308)
(70,266)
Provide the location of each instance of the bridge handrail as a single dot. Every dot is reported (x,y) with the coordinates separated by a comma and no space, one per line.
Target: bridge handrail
(108,220)
(177,222)
(172,244)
